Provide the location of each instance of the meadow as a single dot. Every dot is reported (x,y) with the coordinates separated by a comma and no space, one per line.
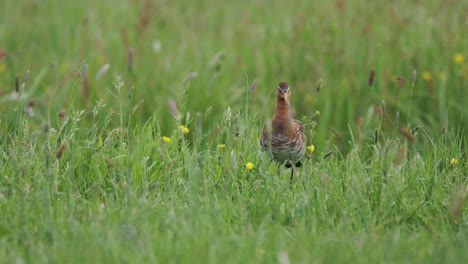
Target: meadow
(129,131)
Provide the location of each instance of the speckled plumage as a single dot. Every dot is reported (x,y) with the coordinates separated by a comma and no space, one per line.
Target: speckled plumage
(285,140)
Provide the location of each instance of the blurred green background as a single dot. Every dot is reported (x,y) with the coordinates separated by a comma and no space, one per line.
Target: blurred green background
(88,172)
(229,44)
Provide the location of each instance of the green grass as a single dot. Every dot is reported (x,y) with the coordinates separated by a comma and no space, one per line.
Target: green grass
(88,178)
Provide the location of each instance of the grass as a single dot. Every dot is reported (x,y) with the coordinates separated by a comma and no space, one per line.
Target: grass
(87,177)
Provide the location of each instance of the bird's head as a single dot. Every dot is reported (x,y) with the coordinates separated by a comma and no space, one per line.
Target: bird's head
(284,92)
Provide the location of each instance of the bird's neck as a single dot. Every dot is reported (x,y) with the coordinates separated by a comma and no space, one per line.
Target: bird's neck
(282,116)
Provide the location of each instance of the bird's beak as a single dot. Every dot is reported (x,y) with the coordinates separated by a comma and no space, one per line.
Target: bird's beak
(286,98)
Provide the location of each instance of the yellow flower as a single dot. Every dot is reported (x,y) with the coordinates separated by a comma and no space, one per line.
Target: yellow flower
(2,67)
(453,161)
(427,75)
(249,165)
(317,113)
(184,129)
(221,146)
(166,139)
(442,76)
(311,148)
(458,58)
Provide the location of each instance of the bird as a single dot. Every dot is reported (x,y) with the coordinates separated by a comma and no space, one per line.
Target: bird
(285,140)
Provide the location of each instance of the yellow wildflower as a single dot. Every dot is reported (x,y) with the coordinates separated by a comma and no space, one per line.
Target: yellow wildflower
(221,146)
(453,161)
(311,148)
(2,67)
(184,129)
(442,76)
(249,165)
(427,75)
(166,139)
(458,58)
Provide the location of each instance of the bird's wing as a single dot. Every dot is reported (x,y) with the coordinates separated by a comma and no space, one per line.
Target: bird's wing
(264,141)
(299,125)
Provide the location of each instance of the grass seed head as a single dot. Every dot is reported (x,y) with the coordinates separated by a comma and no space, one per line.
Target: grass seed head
(26,77)
(17,85)
(407,133)
(173,107)
(253,86)
(384,108)
(376,137)
(61,151)
(328,154)
(189,76)
(319,85)
(102,71)
(62,113)
(371,77)
(414,77)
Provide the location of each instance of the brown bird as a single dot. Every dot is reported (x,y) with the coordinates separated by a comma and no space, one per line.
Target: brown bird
(285,140)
